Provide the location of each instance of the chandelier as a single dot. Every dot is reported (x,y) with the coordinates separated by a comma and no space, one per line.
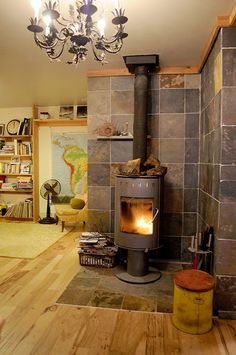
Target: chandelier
(55,34)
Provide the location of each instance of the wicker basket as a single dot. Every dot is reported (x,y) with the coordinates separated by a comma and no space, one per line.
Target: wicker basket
(105,261)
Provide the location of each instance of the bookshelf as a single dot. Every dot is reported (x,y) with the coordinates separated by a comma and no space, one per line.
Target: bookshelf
(16,176)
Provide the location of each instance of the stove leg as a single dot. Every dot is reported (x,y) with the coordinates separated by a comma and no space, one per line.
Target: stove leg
(137,263)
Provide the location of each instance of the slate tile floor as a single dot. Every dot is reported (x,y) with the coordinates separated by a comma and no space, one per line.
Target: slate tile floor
(99,287)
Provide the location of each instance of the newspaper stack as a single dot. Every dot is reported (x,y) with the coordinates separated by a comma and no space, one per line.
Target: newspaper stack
(96,244)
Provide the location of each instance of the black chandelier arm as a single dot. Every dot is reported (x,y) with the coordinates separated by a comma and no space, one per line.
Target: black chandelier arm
(114,51)
(95,54)
(58,55)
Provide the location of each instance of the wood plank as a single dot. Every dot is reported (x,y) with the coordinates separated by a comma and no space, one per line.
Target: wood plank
(54,122)
(35,325)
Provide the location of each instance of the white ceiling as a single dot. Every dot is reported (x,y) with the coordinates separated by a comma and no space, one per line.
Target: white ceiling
(177,30)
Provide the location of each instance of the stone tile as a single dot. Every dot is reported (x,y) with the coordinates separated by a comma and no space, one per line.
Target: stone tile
(121,151)
(216,181)
(76,296)
(98,102)
(95,122)
(153,102)
(171,248)
(102,298)
(218,73)
(192,81)
(191,175)
(138,303)
(96,84)
(98,174)
(228,191)
(172,101)
(153,126)
(191,150)
(227,221)
(164,304)
(175,175)
(171,81)
(122,121)
(229,37)
(216,145)
(228,172)
(172,150)
(122,102)
(191,125)
(189,224)
(206,177)
(154,82)
(186,255)
(98,221)
(172,224)
(98,151)
(122,83)
(225,294)
(208,118)
(228,106)
(228,145)
(192,100)
(99,197)
(229,65)
(172,126)
(173,200)
(190,200)
(225,257)
(217,111)
(114,171)
(80,283)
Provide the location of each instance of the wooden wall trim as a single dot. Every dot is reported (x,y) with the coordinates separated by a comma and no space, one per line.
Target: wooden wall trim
(220,22)
(232,17)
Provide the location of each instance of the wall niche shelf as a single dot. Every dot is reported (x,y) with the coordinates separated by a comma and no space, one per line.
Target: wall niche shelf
(115,138)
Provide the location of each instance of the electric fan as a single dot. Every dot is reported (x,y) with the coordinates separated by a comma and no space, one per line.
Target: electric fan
(49,188)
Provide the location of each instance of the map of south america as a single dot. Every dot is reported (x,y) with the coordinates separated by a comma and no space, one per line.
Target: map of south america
(69,162)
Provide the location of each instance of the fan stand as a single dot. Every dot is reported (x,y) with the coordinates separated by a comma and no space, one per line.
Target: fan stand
(48,219)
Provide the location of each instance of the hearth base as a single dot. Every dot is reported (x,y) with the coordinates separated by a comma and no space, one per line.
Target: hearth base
(151,276)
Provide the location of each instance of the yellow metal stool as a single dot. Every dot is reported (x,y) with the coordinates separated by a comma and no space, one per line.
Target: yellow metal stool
(193,296)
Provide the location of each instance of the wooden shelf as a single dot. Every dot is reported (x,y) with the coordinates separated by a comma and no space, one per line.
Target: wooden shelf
(9,156)
(16,218)
(18,137)
(50,122)
(29,191)
(15,174)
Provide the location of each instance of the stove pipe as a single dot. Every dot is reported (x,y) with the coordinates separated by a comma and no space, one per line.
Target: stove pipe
(141,66)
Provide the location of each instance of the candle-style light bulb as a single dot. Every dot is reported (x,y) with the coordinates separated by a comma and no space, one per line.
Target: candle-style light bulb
(47,21)
(36,6)
(101,26)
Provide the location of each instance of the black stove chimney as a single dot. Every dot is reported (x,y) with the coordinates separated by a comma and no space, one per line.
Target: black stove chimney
(141,66)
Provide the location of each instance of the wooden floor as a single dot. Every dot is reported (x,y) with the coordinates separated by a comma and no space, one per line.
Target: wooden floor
(35,325)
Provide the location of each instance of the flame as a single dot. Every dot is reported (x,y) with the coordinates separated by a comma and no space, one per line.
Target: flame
(144,226)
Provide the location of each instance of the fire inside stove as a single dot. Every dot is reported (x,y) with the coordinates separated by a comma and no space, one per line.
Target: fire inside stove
(136,216)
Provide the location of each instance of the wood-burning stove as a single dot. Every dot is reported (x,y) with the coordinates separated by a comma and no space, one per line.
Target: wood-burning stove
(137,222)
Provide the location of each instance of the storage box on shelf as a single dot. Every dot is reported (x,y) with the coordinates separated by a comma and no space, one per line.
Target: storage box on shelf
(16,175)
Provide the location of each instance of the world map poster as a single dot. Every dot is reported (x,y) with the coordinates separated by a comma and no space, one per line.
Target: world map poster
(69,162)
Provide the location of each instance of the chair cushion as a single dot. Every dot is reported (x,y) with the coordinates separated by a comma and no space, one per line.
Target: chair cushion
(77,203)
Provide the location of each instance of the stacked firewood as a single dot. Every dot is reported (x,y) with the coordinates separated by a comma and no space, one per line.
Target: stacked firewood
(151,167)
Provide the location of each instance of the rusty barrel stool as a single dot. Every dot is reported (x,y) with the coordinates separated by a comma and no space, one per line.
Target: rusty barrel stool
(193,296)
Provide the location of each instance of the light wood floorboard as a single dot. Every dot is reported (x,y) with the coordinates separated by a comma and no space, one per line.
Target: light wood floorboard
(36,325)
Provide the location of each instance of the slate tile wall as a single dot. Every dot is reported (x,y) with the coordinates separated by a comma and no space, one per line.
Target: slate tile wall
(217,202)
(173,129)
